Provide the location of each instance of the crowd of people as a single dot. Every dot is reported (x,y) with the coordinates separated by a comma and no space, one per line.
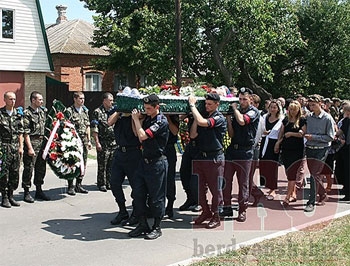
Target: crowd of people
(312,132)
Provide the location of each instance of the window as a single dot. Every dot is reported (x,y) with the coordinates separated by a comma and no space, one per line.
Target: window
(120,82)
(7,24)
(93,82)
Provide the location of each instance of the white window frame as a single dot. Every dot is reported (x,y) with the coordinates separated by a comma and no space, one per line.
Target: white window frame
(89,83)
(13,26)
(120,82)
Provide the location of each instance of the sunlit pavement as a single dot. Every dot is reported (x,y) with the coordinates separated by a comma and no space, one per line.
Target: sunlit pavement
(77,231)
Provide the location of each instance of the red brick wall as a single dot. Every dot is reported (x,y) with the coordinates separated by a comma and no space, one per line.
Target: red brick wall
(71,69)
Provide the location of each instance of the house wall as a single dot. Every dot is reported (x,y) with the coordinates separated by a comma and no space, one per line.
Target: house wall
(34,81)
(27,52)
(12,81)
(71,69)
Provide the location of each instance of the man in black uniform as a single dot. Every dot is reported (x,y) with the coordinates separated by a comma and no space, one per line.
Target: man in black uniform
(188,180)
(170,153)
(242,127)
(209,165)
(151,173)
(128,152)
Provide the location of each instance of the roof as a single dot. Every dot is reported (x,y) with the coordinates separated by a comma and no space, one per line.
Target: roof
(72,37)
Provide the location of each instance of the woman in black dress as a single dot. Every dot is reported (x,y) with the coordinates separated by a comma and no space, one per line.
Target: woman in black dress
(291,143)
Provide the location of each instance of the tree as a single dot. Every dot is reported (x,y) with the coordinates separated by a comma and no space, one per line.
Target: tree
(223,41)
(325,26)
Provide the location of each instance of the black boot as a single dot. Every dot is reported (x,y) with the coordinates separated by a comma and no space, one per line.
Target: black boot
(122,215)
(12,201)
(141,229)
(39,194)
(131,221)
(188,203)
(156,231)
(5,200)
(71,190)
(79,188)
(27,197)
(214,221)
(169,210)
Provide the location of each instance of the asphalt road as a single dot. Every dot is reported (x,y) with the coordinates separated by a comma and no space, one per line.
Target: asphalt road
(77,231)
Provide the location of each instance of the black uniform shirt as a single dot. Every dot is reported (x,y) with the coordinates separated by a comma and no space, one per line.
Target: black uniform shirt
(245,135)
(210,138)
(173,138)
(124,134)
(157,130)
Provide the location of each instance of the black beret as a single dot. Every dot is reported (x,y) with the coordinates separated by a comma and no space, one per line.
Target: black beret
(213,96)
(151,99)
(244,90)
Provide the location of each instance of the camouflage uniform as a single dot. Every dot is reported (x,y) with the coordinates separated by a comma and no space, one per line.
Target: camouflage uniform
(11,126)
(106,137)
(81,121)
(34,126)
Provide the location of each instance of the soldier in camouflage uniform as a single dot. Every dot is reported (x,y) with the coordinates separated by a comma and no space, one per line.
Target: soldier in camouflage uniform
(105,141)
(11,141)
(34,127)
(79,116)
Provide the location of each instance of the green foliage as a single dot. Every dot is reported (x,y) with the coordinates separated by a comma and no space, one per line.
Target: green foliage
(284,46)
(325,26)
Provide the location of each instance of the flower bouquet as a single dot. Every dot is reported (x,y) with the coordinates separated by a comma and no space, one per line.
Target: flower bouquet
(173,100)
(64,148)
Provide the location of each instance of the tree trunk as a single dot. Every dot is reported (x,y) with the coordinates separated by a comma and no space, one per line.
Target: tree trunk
(216,49)
(250,83)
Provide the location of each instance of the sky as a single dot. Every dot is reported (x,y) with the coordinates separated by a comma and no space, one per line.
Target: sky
(75,10)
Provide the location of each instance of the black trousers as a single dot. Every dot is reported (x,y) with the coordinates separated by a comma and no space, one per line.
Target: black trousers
(170,153)
(188,180)
(123,166)
(150,187)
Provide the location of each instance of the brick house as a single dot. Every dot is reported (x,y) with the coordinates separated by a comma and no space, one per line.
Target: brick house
(71,52)
(24,52)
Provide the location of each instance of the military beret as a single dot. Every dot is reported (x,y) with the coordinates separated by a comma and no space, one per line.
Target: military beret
(151,99)
(213,96)
(245,90)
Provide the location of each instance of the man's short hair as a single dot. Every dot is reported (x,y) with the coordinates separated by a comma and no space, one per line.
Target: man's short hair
(77,94)
(106,95)
(314,98)
(34,95)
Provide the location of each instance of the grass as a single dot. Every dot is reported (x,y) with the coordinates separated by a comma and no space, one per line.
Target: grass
(322,244)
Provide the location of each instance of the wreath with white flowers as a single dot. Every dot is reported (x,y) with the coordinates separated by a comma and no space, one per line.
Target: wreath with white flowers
(64,148)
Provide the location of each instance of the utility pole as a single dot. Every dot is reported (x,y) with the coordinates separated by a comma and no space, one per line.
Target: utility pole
(178,45)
